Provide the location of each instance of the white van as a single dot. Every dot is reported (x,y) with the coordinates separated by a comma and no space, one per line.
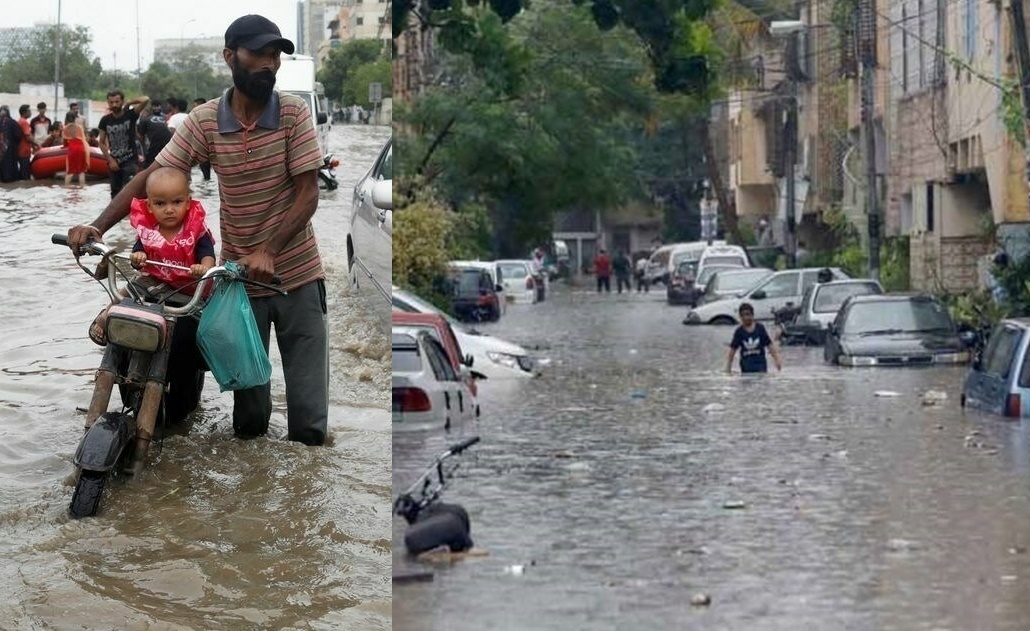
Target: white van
(297,76)
(723,255)
(682,252)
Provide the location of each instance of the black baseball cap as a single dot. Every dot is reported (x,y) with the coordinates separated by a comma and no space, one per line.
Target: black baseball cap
(254,32)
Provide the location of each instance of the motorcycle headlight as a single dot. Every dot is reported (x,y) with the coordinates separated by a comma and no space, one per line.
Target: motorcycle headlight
(138,329)
(959,357)
(857,360)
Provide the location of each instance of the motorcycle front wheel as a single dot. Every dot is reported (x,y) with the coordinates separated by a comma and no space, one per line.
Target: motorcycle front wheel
(86,498)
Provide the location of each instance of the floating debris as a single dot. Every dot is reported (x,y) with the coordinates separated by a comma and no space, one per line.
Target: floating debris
(886,393)
(712,408)
(734,504)
(700,600)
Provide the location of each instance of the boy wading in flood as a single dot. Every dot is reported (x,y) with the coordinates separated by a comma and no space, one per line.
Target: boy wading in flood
(751,339)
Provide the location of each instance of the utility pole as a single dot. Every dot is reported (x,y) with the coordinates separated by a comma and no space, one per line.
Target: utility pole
(791,159)
(867,51)
(57,58)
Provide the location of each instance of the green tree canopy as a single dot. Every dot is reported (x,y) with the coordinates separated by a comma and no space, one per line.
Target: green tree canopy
(33,61)
(355,89)
(344,61)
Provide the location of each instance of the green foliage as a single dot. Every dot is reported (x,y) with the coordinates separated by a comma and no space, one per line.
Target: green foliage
(420,232)
(974,308)
(33,61)
(355,88)
(189,77)
(343,62)
(539,121)
(895,265)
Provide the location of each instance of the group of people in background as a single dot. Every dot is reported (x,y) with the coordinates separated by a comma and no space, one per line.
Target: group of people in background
(21,138)
(130,135)
(624,269)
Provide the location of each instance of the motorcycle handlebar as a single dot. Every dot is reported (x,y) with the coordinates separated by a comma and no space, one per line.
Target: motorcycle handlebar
(463,445)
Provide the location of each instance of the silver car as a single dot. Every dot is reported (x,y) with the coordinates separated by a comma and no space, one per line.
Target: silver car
(427,392)
(822,301)
(775,292)
(369,253)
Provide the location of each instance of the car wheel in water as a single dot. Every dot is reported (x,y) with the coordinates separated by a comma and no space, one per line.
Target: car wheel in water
(722,320)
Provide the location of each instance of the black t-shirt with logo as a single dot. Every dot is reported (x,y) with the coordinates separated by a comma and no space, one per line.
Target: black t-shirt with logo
(121,134)
(752,345)
(155,129)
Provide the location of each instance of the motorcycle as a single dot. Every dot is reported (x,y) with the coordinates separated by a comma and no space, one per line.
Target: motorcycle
(137,359)
(432,523)
(327,172)
(783,322)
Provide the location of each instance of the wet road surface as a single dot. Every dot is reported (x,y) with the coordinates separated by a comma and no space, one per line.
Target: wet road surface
(218,533)
(635,475)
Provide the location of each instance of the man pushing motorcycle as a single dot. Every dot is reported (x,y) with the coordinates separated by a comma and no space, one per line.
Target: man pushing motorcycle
(263,147)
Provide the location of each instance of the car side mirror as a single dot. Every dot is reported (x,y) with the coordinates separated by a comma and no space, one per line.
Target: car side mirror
(758,295)
(382,194)
(322,118)
(499,288)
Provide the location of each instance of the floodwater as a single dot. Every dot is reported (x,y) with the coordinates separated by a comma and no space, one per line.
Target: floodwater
(635,475)
(217,533)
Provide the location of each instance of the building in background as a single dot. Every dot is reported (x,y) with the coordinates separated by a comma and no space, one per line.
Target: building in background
(173,50)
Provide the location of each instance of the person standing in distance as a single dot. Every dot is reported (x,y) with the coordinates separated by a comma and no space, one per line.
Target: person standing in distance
(262,145)
(751,339)
(118,138)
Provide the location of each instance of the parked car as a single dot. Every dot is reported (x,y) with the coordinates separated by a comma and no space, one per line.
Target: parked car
(893,330)
(820,304)
(658,265)
(444,333)
(516,276)
(731,282)
(999,380)
(775,292)
(493,357)
(369,243)
(688,282)
(474,295)
(427,392)
(495,276)
(733,255)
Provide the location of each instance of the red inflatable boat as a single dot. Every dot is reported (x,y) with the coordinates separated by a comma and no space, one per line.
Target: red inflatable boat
(49,161)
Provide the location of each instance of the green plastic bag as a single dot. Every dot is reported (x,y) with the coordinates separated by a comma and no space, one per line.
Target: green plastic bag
(229,340)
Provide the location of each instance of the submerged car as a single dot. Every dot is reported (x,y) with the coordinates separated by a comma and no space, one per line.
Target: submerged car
(894,330)
(475,297)
(427,392)
(692,285)
(820,305)
(493,357)
(369,243)
(999,380)
(775,292)
(732,282)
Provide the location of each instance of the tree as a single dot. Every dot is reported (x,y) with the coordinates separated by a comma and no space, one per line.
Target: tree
(355,88)
(344,61)
(32,61)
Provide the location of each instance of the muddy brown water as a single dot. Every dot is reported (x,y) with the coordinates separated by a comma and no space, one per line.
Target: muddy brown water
(635,474)
(218,533)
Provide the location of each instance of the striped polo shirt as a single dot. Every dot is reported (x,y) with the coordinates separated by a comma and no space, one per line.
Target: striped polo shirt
(255,167)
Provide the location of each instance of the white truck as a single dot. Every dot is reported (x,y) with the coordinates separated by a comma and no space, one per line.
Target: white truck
(297,76)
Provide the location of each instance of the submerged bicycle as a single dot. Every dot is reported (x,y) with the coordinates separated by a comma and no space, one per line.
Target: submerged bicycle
(432,523)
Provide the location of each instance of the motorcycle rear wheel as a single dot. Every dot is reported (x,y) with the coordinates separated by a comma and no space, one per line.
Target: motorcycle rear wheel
(86,498)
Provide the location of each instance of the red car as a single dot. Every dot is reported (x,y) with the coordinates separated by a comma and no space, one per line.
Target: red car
(442,331)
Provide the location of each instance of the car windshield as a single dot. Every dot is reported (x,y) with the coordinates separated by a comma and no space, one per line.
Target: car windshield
(896,316)
(410,303)
(738,283)
(405,354)
(680,257)
(467,282)
(829,298)
(731,259)
(513,270)
(710,270)
(686,268)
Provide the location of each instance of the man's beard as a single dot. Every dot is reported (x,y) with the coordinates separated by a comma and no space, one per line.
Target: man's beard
(256,85)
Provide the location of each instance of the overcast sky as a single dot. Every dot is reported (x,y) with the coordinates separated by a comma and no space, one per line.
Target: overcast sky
(113,24)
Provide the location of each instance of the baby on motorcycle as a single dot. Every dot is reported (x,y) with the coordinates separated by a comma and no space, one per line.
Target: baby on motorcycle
(170,229)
